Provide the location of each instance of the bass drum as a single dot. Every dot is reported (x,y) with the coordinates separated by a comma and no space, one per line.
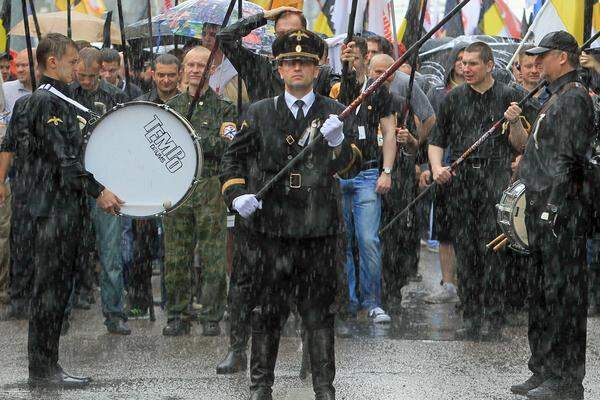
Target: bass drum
(511,217)
(147,154)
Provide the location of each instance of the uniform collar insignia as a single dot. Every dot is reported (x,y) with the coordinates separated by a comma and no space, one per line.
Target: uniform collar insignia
(55,121)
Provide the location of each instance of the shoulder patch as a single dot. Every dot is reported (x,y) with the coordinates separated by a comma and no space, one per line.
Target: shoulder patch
(55,120)
(228,130)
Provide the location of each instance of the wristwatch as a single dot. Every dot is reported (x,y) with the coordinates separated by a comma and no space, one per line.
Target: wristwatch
(387,170)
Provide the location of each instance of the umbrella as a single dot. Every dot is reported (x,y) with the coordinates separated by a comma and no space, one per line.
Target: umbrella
(434,56)
(85,26)
(188,18)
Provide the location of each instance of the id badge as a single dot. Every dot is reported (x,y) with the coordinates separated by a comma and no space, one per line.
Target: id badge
(362,133)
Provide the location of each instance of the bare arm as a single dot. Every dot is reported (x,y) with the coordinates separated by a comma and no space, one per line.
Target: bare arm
(388,128)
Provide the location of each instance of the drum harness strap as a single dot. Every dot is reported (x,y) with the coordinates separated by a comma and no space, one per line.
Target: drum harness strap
(548,104)
(69,100)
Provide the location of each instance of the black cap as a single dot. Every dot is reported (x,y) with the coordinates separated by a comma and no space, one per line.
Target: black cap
(559,40)
(298,44)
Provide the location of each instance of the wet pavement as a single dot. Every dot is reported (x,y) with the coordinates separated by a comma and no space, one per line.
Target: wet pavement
(415,357)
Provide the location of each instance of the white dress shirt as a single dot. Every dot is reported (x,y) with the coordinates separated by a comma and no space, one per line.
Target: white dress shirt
(308,100)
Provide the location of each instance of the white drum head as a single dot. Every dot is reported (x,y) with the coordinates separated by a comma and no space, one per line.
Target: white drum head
(147,155)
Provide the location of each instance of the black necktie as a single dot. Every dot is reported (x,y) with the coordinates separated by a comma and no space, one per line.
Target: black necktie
(300,113)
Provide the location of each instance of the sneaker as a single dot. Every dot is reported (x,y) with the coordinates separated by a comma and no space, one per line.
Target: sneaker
(379,316)
(433,246)
(445,294)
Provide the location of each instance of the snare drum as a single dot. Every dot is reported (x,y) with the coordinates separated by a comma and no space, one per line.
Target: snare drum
(147,154)
(511,217)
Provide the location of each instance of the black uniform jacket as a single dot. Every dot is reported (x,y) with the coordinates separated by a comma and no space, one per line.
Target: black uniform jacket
(49,143)
(555,155)
(258,72)
(267,140)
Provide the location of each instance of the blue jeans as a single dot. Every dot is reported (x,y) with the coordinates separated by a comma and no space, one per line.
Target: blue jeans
(108,242)
(362,215)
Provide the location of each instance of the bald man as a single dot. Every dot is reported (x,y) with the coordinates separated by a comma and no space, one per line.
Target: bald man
(20,87)
(202,218)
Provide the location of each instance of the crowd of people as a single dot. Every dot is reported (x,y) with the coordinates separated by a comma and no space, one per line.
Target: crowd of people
(312,245)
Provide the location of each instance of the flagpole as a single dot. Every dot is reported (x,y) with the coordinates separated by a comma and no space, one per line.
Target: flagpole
(175,44)
(413,70)
(124,44)
(69,33)
(209,62)
(394,29)
(29,47)
(150,33)
(240,12)
(521,45)
(36,23)
(526,37)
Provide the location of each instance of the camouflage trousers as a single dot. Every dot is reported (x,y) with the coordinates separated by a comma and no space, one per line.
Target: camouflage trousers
(201,220)
(5,212)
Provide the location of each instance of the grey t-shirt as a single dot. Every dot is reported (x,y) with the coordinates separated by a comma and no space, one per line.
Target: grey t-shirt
(419,102)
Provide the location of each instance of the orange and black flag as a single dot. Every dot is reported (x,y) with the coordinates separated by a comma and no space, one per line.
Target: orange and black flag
(5,26)
(269,4)
(408,33)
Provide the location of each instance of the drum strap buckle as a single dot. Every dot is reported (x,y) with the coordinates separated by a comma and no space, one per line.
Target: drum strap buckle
(295,181)
(476,164)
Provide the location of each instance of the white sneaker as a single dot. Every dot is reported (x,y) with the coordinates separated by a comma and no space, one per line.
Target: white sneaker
(446,294)
(379,316)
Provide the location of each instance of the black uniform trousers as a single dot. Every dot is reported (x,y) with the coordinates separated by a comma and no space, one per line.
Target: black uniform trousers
(242,297)
(22,262)
(473,194)
(55,250)
(399,251)
(302,268)
(557,297)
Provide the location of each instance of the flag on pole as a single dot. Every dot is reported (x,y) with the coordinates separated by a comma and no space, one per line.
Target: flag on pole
(496,19)
(380,18)
(92,7)
(324,23)
(408,31)
(5,25)
(557,15)
(470,17)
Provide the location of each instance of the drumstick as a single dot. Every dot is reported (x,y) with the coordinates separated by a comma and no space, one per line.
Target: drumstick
(501,245)
(495,241)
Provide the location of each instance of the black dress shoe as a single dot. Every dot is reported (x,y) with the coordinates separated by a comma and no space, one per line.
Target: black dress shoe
(261,393)
(177,327)
(59,379)
(235,361)
(530,384)
(554,389)
(211,328)
(117,326)
(325,394)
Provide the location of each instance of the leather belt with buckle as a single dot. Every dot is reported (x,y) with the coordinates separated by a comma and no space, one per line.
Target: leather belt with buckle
(295,181)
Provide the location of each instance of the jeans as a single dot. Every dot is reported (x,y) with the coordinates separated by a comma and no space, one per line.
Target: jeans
(362,216)
(108,241)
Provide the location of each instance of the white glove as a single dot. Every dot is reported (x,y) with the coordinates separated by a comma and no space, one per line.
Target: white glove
(246,204)
(332,131)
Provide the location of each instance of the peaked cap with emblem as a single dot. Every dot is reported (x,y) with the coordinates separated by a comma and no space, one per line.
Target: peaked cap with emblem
(298,44)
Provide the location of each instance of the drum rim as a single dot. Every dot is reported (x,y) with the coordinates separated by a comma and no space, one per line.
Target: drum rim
(192,133)
(515,242)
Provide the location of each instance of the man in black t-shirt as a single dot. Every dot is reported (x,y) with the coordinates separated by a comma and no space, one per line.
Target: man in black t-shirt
(466,112)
